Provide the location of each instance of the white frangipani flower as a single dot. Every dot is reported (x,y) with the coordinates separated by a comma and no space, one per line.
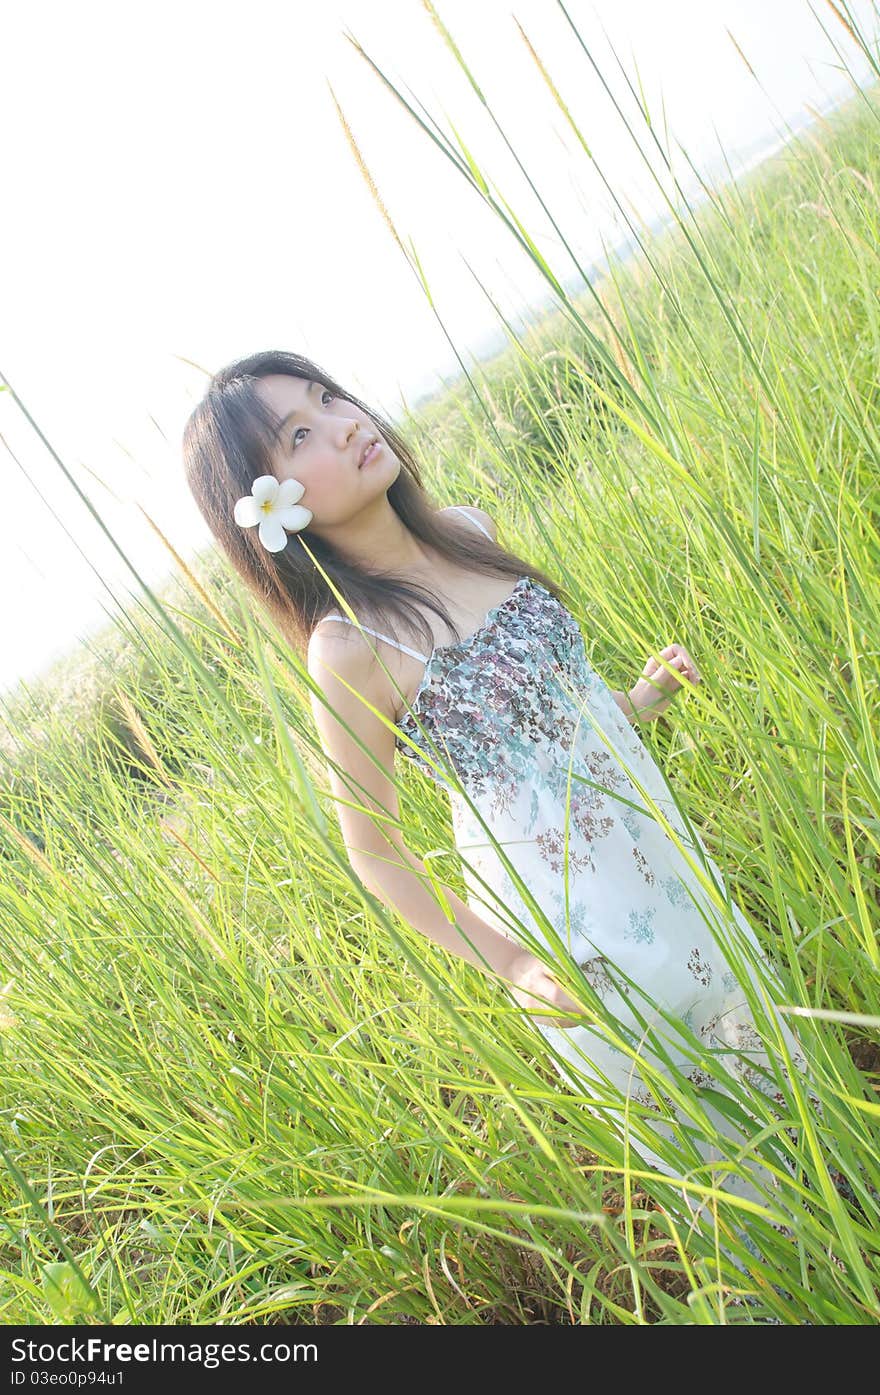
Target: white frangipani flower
(273,506)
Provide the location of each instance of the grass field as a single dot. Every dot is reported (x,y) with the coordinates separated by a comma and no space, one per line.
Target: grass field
(234,1087)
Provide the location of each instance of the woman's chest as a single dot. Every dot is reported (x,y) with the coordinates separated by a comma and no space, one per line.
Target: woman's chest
(472,610)
(513,680)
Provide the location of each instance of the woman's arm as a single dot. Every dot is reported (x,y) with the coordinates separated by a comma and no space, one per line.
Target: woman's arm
(625,705)
(361,781)
(401,883)
(657,686)
(400,880)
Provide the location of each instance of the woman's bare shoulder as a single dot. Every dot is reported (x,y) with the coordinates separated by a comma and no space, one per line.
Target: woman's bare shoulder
(340,657)
(486,519)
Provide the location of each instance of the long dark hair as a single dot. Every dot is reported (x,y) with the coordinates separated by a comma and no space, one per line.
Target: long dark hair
(226,446)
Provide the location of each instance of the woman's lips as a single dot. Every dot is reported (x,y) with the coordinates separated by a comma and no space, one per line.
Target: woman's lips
(371,454)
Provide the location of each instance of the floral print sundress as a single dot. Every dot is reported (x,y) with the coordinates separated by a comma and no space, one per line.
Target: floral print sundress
(549,764)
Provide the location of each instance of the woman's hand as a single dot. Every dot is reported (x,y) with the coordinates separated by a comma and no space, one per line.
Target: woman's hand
(535,988)
(657,686)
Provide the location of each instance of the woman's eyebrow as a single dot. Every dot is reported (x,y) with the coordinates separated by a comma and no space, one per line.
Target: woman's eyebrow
(282,424)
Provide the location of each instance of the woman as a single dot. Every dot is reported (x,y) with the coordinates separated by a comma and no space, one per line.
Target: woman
(570,840)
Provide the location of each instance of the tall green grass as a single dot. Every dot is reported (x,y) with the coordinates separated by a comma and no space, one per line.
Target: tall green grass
(235,1087)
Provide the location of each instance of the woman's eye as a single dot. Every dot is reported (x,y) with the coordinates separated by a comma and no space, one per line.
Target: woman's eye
(325,393)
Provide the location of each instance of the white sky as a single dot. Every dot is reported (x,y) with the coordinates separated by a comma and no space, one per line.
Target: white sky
(176,185)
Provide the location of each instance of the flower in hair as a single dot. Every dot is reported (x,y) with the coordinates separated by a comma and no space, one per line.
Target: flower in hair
(273,506)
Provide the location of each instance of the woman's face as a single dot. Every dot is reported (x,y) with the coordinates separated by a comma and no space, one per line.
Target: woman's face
(320,442)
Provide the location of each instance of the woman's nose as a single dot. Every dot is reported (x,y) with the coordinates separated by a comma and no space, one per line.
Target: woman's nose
(348,429)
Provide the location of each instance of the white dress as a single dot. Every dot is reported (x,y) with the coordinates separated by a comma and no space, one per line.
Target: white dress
(549,765)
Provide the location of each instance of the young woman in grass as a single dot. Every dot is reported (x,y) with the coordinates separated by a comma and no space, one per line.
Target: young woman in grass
(491,686)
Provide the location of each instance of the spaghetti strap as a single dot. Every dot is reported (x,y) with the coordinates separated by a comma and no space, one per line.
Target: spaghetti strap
(387,638)
(474,520)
